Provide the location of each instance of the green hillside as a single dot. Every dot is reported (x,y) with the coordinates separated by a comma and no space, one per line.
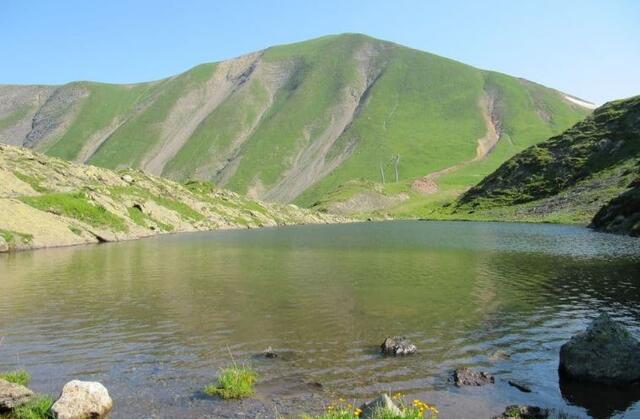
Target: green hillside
(570,177)
(318,123)
(51,202)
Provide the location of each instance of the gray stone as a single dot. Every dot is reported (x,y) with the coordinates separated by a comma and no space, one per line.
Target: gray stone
(470,377)
(4,246)
(604,353)
(524,412)
(397,346)
(82,399)
(382,403)
(13,395)
(128,179)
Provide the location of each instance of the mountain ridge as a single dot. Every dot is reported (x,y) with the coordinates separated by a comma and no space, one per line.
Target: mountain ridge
(290,123)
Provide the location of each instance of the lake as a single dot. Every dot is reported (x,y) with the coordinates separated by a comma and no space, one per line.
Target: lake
(155,319)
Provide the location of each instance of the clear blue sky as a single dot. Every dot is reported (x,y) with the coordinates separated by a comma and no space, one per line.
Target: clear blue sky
(587,48)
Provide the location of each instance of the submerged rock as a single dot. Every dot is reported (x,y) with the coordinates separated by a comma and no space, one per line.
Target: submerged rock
(524,412)
(397,346)
(520,386)
(82,399)
(382,403)
(498,356)
(470,377)
(13,395)
(604,353)
(270,353)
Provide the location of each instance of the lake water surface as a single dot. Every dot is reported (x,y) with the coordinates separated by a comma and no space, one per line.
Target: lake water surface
(155,319)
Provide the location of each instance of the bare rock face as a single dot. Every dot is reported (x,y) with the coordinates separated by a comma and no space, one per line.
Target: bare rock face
(82,399)
(397,346)
(382,403)
(13,395)
(604,353)
(470,377)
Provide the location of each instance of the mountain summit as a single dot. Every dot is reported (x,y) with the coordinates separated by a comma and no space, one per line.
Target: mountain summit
(295,123)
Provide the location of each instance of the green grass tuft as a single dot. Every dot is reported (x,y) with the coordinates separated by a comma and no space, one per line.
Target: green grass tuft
(38,408)
(233,383)
(12,237)
(32,181)
(76,205)
(21,377)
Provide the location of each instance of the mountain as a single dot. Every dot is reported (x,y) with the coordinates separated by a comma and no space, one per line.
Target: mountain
(313,122)
(587,170)
(50,202)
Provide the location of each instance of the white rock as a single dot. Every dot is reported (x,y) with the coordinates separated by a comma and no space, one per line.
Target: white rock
(82,399)
(127,178)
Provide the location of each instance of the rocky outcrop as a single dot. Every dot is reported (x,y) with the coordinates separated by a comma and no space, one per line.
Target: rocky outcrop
(37,191)
(13,395)
(81,400)
(604,353)
(382,403)
(470,377)
(524,412)
(397,346)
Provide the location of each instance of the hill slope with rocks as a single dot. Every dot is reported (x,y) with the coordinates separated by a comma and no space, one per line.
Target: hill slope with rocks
(300,123)
(47,202)
(592,169)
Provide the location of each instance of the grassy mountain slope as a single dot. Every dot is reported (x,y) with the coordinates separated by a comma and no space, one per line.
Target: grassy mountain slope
(300,123)
(46,201)
(570,176)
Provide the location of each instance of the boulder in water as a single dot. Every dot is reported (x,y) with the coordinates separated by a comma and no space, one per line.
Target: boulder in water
(13,395)
(604,353)
(82,399)
(397,346)
(471,377)
(270,353)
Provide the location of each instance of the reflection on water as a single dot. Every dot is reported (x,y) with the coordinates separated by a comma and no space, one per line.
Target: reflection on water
(154,319)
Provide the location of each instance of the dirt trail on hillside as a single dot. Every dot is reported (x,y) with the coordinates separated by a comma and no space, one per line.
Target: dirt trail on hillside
(192,109)
(312,163)
(428,185)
